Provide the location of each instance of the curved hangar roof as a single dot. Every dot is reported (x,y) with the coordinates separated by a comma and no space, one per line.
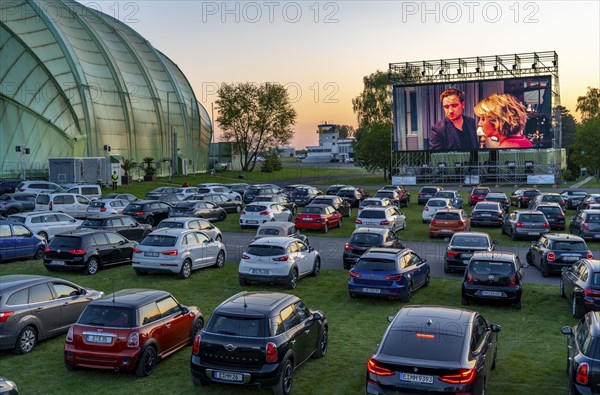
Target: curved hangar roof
(73,79)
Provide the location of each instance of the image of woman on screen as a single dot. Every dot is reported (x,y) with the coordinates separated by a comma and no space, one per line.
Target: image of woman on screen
(502,118)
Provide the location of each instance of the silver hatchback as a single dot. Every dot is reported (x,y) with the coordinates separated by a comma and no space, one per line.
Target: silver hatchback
(381,217)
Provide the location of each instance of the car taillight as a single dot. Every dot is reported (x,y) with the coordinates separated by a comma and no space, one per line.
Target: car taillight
(69,338)
(243,212)
(77,252)
(347,247)
(592,293)
(586,226)
(590,255)
(464,376)
(354,274)
(452,253)
(196,346)
(264,213)
(394,277)
(4,315)
(469,278)
(520,225)
(377,370)
(271,353)
(245,256)
(358,222)
(385,222)
(281,258)
(136,250)
(103,209)
(133,340)
(582,373)
(433,222)
(546,225)
(170,252)
(22,190)
(560,216)
(47,249)
(550,256)
(138,213)
(513,281)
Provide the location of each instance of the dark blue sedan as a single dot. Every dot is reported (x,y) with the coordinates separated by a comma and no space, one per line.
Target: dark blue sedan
(17,241)
(388,272)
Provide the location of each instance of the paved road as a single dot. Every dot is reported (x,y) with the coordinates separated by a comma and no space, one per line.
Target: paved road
(331,249)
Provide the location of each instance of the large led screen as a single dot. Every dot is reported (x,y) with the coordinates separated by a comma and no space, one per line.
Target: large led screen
(466,116)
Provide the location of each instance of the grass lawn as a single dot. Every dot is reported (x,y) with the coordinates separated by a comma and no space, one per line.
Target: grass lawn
(531,356)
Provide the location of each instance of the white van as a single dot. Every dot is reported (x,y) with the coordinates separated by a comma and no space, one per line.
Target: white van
(91,191)
(69,203)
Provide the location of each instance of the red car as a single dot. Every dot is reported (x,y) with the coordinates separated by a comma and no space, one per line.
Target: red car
(318,216)
(131,329)
(477,194)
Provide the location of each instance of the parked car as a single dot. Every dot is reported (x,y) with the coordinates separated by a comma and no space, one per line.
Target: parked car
(586,224)
(493,276)
(177,251)
(192,223)
(273,334)
(90,191)
(338,203)
(374,201)
(121,196)
(8,185)
(432,206)
(260,189)
(169,198)
(222,189)
(199,209)
(280,228)
(403,194)
(8,387)
(69,203)
(381,217)
(388,272)
(573,197)
(13,203)
(462,246)
(46,223)
(34,308)
(87,250)
(37,187)
(148,211)
(478,194)
(119,223)
(17,241)
(304,195)
(255,214)
(449,221)
(223,201)
(454,197)
(279,199)
(525,224)
(364,238)
(499,197)
(580,284)
(107,206)
(318,217)
(546,198)
(334,189)
(131,329)
(427,193)
(583,353)
(278,260)
(419,353)
(554,214)
(158,192)
(184,192)
(555,251)
(238,187)
(392,196)
(590,199)
(521,197)
(351,195)
(288,190)
(487,214)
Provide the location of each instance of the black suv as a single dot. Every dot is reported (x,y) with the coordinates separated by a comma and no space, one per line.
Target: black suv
(554,251)
(13,203)
(462,246)
(87,250)
(580,284)
(148,211)
(427,193)
(554,214)
(522,197)
(9,185)
(493,276)
(351,195)
(122,224)
(258,339)
(583,353)
(364,238)
(255,190)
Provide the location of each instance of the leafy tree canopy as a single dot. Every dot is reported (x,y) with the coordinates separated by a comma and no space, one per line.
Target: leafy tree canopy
(589,105)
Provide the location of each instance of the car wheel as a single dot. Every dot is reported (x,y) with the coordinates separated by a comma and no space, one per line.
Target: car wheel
(293,279)
(150,220)
(513,235)
(464,301)
(26,341)
(92,266)
(409,291)
(197,327)
(199,381)
(70,368)
(427,280)
(562,289)
(244,282)
(238,208)
(576,308)
(12,211)
(39,253)
(528,258)
(352,295)
(316,267)
(186,269)
(220,262)
(446,268)
(223,216)
(140,272)
(286,379)
(544,269)
(326,227)
(518,304)
(323,344)
(424,221)
(346,265)
(146,363)
(43,235)
(494,360)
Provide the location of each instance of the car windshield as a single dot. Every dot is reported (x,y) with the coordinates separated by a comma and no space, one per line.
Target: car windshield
(237,326)
(593,218)
(366,238)
(569,246)
(371,214)
(255,208)
(159,241)
(469,241)
(552,198)
(269,232)
(376,265)
(491,268)
(436,347)
(324,201)
(94,222)
(170,224)
(300,192)
(371,202)
(347,193)
(312,210)
(448,195)
(446,216)
(265,250)
(107,316)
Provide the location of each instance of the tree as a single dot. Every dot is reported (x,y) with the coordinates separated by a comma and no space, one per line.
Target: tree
(372,147)
(585,150)
(149,162)
(569,126)
(127,166)
(374,105)
(256,117)
(346,131)
(589,105)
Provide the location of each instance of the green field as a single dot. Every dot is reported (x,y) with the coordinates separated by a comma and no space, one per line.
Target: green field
(531,356)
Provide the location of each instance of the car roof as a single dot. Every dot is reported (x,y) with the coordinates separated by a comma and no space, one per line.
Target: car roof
(277,224)
(130,297)
(318,205)
(383,253)
(15,281)
(449,210)
(107,216)
(494,256)
(276,240)
(261,304)
(547,204)
(7,222)
(180,219)
(375,208)
(527,212)
(562,237)
(172,231)
(323,197)
(35,213)
(433,199)
(438,319)
(82,232)
(380,231)
(471,234)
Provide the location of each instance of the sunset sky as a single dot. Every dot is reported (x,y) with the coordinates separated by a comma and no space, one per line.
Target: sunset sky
(322,50)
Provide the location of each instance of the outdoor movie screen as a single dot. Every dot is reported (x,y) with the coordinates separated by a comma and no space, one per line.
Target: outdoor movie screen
(465,116)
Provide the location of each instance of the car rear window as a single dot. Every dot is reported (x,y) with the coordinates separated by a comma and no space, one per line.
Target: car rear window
(312,210)
(4,197)
(492,267)
(569,246)
(170,224)
(97,204)
(495,196)
(371,214)
(530,193)
(159,241)
(448,195)
(134,207)
(446,216)
(486,206)
(469,241)
(594,218)
(346,193)
(265,250)
(480,191)
(95,222)
(324,201)
(16,218)
(65,241)
(596,278)
(376,265)
(436,203)
(550,210)
(552,198)
(385,194)
(237,326)
(366,238)
(107,316)
(255,208)
(269,232)
(532,218)
(429,190)
(369,202)
(407,344)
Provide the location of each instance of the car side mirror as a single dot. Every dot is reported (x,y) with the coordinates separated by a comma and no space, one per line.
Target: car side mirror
(566,330)
(390,318)
(317,316)
(495,328)
(495,241)
(184,310)
(423,261)
(311,249)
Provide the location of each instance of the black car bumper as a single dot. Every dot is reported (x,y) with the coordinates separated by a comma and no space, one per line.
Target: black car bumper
(77,263)
(500,293)
(265,376)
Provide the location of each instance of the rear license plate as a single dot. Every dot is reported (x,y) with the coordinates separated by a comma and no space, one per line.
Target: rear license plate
(226,376)
(466,256)
(416,378)
(597,236)
(371,290)
(570,258)
(98,339)
(486,215)
(148,253)
(307,219)
(57,263)
(533,233)
(251,221)
(491,293)
(260,271)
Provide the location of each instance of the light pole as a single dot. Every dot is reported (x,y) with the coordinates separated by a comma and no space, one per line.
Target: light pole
(23,151)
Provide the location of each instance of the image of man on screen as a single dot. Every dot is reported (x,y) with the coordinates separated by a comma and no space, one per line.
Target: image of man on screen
(456,131)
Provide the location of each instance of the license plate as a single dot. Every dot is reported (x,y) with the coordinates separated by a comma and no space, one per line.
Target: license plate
(465,256)
(307,219)
(533,233)
(486,215)
(251,221)
(226,376)
(416,378)
(597,236)
(57,263)
(371,290)
(260,271)
(570,258)
(98,339)
(491,293)
(149,253)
